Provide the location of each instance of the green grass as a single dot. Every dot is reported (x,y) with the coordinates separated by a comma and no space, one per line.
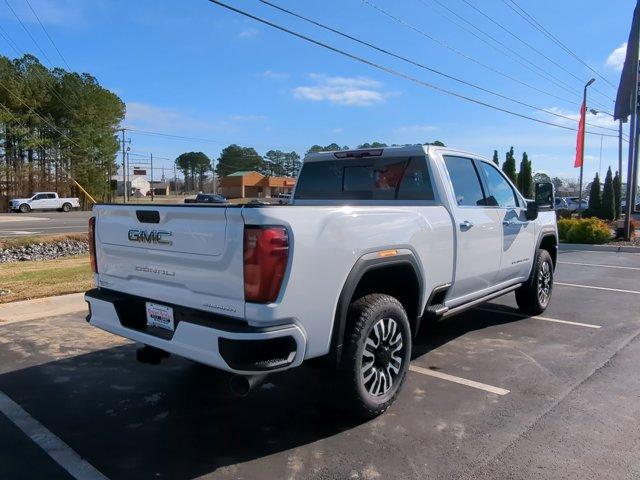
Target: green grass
(26,280)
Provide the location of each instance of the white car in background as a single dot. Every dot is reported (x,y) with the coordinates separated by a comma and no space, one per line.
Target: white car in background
(44,201)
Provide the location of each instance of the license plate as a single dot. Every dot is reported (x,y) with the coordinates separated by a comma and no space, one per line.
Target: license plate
(160,316)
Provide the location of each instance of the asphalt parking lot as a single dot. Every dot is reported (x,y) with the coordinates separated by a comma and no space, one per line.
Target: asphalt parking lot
(43,223)
(491,394)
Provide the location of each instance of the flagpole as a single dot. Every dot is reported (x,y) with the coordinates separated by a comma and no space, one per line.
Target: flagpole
(583,115)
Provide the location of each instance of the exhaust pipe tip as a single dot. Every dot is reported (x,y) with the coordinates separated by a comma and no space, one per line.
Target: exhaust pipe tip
(241,385)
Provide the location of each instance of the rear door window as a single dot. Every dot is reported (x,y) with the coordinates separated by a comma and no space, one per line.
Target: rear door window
(394,178)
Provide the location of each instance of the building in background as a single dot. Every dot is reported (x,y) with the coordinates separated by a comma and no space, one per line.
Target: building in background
(138,185)
(251,184)
(160,188)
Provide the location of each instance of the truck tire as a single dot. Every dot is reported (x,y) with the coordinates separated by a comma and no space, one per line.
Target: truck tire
(533,296)
(66,207)
(24,208)
(377,353)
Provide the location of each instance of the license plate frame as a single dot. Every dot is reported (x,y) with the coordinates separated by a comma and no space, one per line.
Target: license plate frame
(160,316)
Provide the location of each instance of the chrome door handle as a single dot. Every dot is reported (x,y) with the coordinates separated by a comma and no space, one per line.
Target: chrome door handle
(466,225)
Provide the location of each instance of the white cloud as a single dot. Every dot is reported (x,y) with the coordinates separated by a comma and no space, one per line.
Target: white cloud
(248,33)
(601,119)
(248,118)
(349,91)
(416,129)
(616,58)
(146,116)
(274,75)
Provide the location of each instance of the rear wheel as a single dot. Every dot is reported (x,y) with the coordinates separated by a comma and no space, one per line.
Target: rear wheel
(533,297)
(377,353)
(66,207)
(24,208)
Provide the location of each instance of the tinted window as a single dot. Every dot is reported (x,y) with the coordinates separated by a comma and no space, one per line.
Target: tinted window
(465,180)
(500,193)
(40,196)
(416,184)
(51,195)
(398,178)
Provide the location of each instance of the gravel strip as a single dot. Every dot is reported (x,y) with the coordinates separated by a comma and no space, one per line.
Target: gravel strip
(43,251)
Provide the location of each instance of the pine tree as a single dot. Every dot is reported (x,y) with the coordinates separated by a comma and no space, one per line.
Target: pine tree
(525,176)
(617,192)
(495,158)
(509,166)
(608,207)
(595,201)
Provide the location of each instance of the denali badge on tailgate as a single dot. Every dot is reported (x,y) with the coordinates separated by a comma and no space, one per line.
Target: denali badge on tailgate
(151,236)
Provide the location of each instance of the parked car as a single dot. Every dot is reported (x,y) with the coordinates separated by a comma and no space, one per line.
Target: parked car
(44,201)
(374,243)
(561,207)
(623,207)
(206,198)
(573,202)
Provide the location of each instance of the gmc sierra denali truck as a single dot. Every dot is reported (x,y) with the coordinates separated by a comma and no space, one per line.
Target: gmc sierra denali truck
(373,243)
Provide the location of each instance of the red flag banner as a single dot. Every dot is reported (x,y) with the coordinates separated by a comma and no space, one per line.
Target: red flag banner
(580,137)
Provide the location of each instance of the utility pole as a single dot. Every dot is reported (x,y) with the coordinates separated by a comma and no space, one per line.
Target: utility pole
(152,177)
(124,165)
(175,180)
(584,112)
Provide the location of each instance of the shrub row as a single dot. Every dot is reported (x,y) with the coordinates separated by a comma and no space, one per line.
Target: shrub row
(583,230)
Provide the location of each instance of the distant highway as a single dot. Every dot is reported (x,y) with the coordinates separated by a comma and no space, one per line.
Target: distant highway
(42,223)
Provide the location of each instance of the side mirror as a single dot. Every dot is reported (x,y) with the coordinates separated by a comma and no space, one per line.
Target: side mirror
(545,195)
(532,210)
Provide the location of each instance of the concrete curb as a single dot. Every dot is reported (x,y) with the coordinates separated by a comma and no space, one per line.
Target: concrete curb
(42,307)
(568,247)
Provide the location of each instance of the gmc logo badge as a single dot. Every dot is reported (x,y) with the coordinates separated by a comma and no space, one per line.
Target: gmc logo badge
(152,236)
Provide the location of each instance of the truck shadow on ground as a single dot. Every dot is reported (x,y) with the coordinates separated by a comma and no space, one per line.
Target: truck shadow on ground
(178,420)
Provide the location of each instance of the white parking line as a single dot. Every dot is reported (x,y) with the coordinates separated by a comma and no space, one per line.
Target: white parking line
(461,381)
(599,265)
(546,319)
(62,453)
(597,288)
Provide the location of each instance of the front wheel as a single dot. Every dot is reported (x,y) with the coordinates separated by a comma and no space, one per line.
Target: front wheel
(377,353)
(533,297)
(24,208)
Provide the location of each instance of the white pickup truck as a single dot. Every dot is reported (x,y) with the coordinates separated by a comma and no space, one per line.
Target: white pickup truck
(44,201)
(374,242)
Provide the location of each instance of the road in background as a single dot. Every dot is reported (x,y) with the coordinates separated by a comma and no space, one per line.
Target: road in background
(42,223)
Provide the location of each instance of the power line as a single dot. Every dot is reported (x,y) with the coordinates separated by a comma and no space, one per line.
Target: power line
(47,34)
(45,80)
(394,72)
(538,26)
(28,32)
(425,67)
(509,53)
(465,56)
(542,54)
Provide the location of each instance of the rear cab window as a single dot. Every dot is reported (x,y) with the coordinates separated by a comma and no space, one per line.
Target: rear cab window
(370,178)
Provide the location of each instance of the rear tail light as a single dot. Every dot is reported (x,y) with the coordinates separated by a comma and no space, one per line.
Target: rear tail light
(92,244)
(266,251)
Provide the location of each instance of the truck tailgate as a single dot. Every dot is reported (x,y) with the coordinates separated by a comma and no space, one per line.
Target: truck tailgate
(184,255)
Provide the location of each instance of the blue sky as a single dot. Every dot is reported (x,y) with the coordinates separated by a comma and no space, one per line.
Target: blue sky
(194,69)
